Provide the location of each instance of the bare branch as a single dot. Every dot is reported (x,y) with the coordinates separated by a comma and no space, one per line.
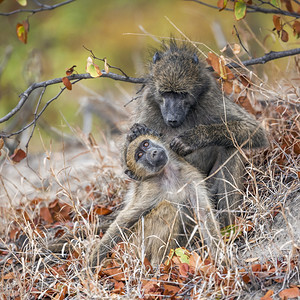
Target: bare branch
(255,9)
(77,77)
(43,7)
(267,57)
(24,96)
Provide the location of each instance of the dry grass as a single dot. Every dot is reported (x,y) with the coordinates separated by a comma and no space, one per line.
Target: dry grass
(261,255)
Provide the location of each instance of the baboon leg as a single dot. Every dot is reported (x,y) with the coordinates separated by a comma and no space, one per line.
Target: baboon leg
(226,186)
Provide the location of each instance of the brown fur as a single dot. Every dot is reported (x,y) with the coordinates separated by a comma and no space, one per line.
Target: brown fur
(212,125)
(167,201)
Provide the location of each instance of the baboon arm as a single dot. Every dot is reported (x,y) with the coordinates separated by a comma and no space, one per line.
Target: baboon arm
(126,219)
(229,134)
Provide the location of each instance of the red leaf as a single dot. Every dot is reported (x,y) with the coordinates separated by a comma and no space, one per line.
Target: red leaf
(67,83)
(290,293)
(18,155)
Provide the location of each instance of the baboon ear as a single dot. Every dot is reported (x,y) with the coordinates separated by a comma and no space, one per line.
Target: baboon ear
(195,58)
(156,57)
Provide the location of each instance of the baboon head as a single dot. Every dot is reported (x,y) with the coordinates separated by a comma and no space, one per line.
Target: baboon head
(176,80)
(146,157)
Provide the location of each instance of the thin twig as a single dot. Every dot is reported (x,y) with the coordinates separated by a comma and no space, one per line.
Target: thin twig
(35,117)
(43,7)
(241,43)
(103,59)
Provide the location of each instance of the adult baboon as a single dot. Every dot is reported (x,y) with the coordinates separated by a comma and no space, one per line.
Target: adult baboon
(182,100)
(169,194)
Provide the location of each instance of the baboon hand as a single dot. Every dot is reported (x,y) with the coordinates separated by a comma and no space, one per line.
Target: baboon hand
(180,147)
(131,175)
(139,129)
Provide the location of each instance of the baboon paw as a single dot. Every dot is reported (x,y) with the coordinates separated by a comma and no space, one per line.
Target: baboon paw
(131,175)
(180,148)
(137,130)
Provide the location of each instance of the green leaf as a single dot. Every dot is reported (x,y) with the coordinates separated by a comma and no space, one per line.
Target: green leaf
(275,3)
(22,2)
(240,8)
(92,68)
(182,254)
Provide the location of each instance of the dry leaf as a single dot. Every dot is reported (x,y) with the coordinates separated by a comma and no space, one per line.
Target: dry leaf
(18,155)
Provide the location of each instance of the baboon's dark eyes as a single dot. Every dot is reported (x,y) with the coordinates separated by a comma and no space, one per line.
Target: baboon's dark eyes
(146,144)
(140,154)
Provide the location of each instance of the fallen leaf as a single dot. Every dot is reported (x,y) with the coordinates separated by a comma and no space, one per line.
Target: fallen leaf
(46,215)
(268,295)
(1,143)
(289,293)
(101,210)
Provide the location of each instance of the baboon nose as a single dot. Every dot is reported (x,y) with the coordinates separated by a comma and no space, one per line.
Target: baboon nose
(173,123)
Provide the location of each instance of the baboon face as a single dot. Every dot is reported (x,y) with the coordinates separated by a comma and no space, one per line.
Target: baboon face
(176,80)
(174,107)
(151,156)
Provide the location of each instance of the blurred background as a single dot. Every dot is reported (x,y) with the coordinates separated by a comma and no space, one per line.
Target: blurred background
(117,30)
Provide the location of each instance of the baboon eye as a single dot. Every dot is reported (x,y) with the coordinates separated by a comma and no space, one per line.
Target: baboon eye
(146,144)
(140,154)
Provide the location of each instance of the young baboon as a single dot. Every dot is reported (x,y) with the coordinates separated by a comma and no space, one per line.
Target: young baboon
(182,100)
(168,194)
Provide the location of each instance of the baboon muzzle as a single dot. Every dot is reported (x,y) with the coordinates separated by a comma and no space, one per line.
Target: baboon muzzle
(157,157)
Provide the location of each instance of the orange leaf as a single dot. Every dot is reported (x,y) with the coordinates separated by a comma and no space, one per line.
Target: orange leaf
(290,293)
(213,60)
(245,103)
(296,28)
(101,210)
(284,36)
(22,31)
(18,155)
(227,87)
(222,4)
(46,215)
(71,70)
(170,290)
(277,23)
(67,83)
(268,295)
